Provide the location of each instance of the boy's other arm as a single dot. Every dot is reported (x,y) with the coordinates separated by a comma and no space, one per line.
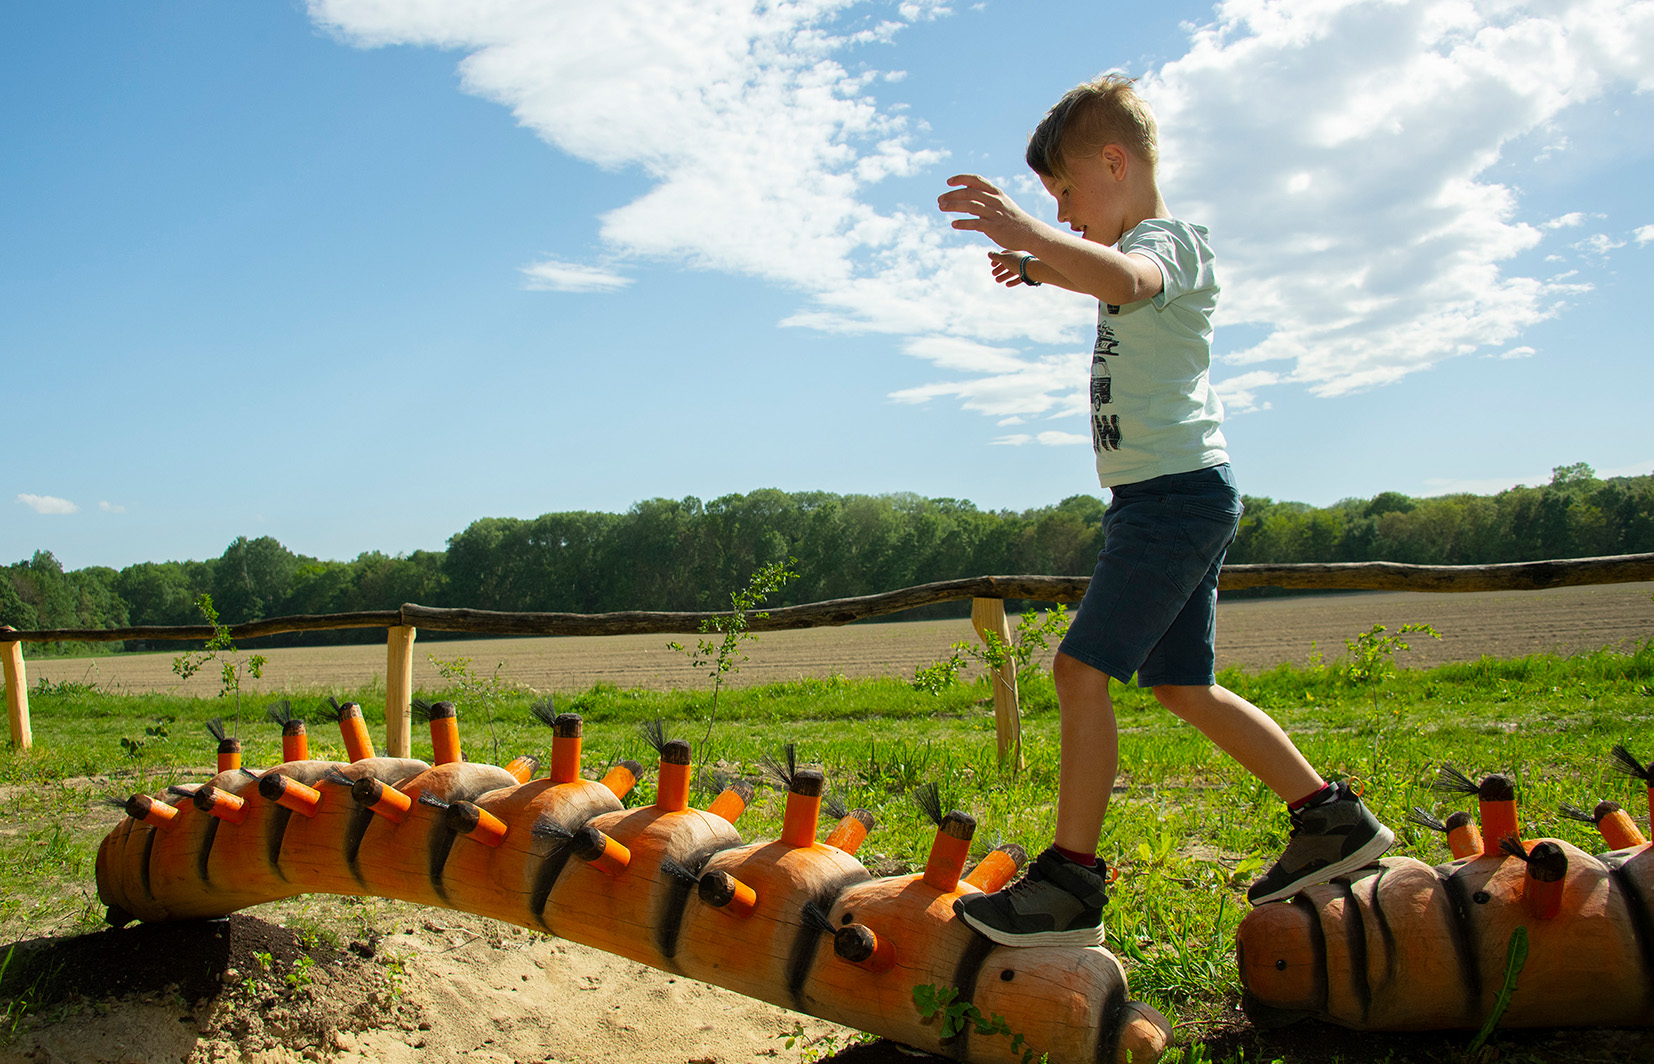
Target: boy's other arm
(1073,263)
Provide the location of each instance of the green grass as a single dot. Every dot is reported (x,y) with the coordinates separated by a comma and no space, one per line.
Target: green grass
(1187,828)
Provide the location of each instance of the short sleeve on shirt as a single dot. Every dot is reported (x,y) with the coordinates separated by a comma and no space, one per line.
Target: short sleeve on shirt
(1180,250)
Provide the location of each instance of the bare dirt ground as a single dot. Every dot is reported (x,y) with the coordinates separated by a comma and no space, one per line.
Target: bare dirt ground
(1254,634)
(405,984)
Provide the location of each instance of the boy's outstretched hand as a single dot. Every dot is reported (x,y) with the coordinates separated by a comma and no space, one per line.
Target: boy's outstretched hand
(997,216)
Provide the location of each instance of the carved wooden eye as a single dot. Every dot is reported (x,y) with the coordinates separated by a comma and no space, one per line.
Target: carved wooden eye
(1280,965)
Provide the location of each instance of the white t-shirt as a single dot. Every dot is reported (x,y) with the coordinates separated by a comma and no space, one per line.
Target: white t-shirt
(1153,411)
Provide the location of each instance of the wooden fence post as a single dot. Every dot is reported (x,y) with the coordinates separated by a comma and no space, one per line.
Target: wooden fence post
(17,695)
(398,690)
(988,616)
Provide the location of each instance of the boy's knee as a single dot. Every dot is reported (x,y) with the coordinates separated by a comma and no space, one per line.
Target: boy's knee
(1069,672)
(1181,700)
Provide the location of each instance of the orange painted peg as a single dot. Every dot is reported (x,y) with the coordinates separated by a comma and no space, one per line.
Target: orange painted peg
(998,868)
(155,814)
(523,768)
(565,748)
(444,719)
(289,793)
(214,801)
(798,822)
(851,831)
(949,850)
(475,822)
(622,778)
(600,851)
(354,731)
(387,802)
(672,785)
(723,891)
(732,801)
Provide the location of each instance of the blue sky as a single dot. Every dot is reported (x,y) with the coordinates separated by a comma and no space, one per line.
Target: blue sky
(356,273)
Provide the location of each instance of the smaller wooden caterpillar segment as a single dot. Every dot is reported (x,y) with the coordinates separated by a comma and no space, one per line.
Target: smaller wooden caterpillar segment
(795,921)
(1404,946)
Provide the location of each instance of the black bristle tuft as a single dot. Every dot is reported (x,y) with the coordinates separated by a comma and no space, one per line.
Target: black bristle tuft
(426,798)
(1451,781)
(1425,819)
(1513,846)
(338,778)
(681,872)
(421,709)
(1574,812)
(178,791)
(929,799)
(816,919)
(118,803)
(281,712)
(1622,761)
(834,806)
(782,769)
(545,711)
(330,710)
(216,727)
(654,733)
(551,829)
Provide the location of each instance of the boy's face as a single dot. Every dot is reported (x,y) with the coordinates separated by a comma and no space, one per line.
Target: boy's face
(1092,198)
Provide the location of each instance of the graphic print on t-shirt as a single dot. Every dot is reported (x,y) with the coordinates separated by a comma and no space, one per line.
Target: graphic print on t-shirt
(1105,427)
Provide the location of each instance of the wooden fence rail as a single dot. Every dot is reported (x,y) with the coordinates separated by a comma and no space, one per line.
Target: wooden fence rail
(988,594)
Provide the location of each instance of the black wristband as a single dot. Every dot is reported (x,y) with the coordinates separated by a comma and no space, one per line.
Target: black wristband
(1022,271)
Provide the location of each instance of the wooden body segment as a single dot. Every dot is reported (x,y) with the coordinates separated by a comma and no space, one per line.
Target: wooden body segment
(1070,1003)
(1404,946)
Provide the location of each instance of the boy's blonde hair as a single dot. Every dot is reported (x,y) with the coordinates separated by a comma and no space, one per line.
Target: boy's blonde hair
(1103,111)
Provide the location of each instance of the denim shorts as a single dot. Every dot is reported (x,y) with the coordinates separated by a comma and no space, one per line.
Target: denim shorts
(1151,609)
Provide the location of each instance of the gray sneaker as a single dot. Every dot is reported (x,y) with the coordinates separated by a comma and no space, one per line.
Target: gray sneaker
(1337,836)
(1055,903)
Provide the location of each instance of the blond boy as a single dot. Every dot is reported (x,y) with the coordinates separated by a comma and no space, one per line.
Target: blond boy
(1151,608)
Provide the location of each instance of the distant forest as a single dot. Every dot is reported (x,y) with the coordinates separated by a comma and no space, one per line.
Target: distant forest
(686,554)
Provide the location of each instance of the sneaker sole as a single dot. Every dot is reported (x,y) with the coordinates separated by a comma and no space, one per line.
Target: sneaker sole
(1359,859)
(1084,936)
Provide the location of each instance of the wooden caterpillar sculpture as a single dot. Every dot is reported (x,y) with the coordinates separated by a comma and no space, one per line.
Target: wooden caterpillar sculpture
(796,922)
(1404,946)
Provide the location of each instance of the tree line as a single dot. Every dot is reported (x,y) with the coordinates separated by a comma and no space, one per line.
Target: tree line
(685,554)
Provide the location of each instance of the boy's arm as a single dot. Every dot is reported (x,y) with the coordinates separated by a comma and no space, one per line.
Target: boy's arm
(1077,264)
(1009,270)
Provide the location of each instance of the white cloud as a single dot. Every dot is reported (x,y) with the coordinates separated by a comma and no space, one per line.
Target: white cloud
(1643,234)
(1339,150)
(555,275)
(111,508)
(1598,244)
(1513,353)
(48,504)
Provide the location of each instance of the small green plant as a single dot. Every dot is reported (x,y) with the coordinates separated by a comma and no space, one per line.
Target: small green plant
(956,1015)
(221,648)
(153,733)
(1516,956)
(301,975)
(822,1047)
(1032,638)
(1372,653)
(722,656)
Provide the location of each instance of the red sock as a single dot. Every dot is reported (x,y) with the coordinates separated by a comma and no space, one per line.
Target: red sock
(1087,859)
(1323,791)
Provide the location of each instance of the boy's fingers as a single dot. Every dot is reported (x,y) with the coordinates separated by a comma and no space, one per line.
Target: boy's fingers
(973,181)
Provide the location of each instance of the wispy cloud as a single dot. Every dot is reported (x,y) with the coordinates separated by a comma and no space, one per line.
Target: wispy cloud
(111,508)
(48,504)
(1643,234)
(1359,227)
(555,275)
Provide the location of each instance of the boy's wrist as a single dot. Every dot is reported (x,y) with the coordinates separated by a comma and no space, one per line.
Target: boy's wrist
(1022,270)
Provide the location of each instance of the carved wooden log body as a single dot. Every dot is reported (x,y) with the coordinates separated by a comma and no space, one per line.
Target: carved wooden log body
(1404,946)
(1071,1003)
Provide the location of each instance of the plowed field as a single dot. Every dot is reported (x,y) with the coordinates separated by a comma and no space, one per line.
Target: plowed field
(1253,634)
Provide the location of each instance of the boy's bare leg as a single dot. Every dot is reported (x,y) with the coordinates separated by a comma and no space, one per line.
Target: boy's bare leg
(1247,734)
(1090,752)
